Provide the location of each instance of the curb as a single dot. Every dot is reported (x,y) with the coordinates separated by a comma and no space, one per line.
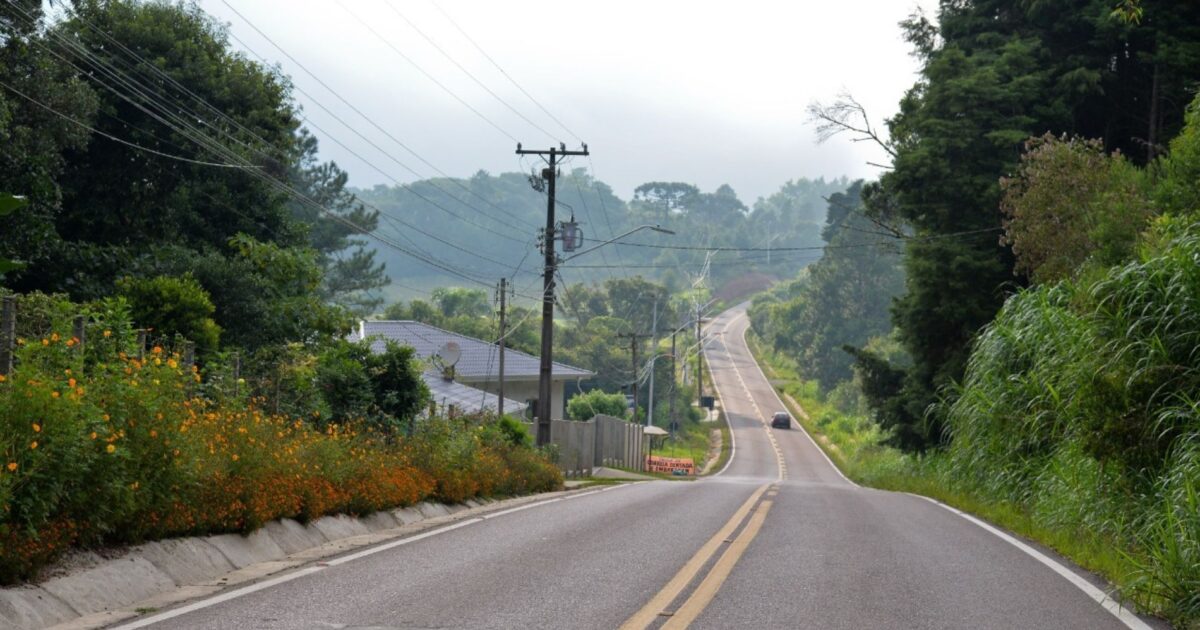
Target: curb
(160,574)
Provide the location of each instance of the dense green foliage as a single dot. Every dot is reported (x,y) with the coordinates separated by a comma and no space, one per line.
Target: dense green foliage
(100,446)
(1080,404)
(993,74)
(842,299)
(585,405)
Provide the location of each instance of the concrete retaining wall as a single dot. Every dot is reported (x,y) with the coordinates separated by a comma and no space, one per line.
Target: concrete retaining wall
(92,586)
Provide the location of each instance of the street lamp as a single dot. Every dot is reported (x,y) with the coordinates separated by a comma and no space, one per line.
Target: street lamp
(618,237)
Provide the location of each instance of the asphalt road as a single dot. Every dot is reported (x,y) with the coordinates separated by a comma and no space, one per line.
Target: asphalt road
(779,539)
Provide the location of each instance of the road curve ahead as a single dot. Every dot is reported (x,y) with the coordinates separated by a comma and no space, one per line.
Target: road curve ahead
(779,539)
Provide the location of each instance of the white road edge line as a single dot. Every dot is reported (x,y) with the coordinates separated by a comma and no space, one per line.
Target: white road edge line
(299,573)
(1126,616)
(783,406)
(732,438)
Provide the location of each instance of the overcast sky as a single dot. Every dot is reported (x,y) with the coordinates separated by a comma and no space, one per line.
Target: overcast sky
(701,92)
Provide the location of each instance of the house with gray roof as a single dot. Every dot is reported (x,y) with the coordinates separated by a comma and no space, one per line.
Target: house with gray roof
(477,366)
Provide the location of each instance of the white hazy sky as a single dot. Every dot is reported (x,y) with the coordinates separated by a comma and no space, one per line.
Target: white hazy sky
(702,92)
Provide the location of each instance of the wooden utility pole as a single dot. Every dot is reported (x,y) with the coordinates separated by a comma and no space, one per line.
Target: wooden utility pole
(545,391)
(502,341)
(633,347)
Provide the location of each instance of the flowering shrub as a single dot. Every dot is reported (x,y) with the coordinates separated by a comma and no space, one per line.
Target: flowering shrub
(107,447)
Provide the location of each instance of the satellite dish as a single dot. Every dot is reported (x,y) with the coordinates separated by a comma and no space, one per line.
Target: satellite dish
(449,353)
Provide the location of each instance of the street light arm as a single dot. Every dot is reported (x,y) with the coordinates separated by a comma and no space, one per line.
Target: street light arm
(617,238)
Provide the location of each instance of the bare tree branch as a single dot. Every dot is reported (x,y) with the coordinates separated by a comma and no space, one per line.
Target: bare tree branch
(845,114)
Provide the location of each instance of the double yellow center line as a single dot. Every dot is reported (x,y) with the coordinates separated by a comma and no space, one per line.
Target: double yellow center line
(707,590)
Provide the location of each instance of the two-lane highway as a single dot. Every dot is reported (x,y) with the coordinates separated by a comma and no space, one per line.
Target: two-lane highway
(779,539)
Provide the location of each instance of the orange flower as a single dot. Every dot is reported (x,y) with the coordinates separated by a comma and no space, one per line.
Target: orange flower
(157,350)
(45,342)
(54,394)
(33,445)
(71,342)
(235,457)
(93,435)
(54,337)
(107,333)
(153,433)
(37,428)
(111,448)
(3,378)
(12,466)
(71,382)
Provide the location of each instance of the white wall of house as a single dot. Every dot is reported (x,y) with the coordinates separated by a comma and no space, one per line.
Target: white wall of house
(526,390)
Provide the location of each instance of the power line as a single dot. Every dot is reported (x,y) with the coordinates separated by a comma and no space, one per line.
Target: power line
(182,126)
(814,247)
(358,111)
(503,72)
(115,138)
(414,64)
(467,72)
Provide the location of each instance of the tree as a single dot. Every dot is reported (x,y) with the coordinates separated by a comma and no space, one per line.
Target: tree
(993,74)
(173,306)
(585,405)
(120,201)
(668,196)
(1070,202)
(33,139)
(352,277)
(456,301)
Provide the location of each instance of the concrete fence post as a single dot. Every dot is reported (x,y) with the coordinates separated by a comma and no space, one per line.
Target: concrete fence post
(141,344)
(79,332)
(8,333)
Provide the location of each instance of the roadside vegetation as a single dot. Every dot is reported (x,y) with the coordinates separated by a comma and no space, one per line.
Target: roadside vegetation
(1076,421)
(101,443)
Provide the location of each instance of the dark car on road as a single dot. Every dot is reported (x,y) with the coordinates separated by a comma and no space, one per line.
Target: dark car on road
(781,420)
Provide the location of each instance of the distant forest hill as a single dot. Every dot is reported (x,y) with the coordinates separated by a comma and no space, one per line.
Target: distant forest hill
(487,226)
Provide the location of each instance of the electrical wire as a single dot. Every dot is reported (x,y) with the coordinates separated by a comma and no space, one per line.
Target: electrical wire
(503,72)
(465,71)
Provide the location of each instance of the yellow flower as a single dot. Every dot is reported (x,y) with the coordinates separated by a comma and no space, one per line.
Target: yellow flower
(45,342)
(107,333)
(111,448)
(157,361)
(3,378)
(93,435)
(172,363)
(37,428)
(12,466)
(235,457)
(54,394)
(33,445)
(54,337)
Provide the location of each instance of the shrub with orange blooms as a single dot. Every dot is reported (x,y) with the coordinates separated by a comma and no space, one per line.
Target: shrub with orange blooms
(98,446)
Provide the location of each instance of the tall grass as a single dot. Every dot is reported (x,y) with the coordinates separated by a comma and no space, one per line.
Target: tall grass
(1079,406)
(1077,424)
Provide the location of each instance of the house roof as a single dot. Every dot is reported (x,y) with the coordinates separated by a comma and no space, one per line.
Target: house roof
(479,359)
(465,398)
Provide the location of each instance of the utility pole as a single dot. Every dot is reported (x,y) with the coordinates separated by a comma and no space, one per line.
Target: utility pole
(671,413)
(503,333)
(633,347)
(699,360)
(545,392)
(653,355)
